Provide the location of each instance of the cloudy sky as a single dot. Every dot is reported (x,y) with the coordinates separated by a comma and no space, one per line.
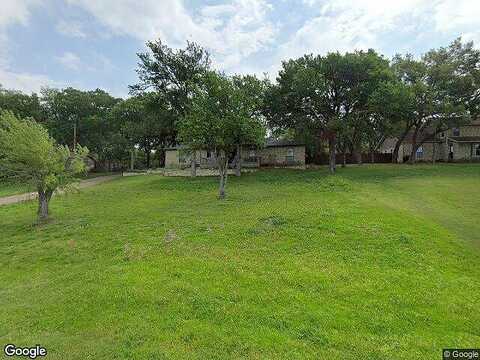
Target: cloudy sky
(93,43)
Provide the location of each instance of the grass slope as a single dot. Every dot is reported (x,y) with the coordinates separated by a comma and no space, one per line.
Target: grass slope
(377,262)
(7,189)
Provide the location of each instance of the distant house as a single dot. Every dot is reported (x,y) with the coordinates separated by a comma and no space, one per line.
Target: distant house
(458,144)
(280,153)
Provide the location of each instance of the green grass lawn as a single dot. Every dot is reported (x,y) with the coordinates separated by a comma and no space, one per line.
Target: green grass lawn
(378,262)
(7,189)
(11,188)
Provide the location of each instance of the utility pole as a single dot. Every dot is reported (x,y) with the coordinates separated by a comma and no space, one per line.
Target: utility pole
(75,135)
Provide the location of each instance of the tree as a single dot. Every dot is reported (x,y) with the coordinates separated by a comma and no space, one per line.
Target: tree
(437,92)
(20,104)
(146,122)
(29,154)
(394,103)
(322,93)
(73,115)
(174,75)
(251,99)
(218,117)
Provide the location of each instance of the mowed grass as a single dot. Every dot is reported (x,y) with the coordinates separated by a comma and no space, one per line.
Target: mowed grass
(377,262)
(7,189)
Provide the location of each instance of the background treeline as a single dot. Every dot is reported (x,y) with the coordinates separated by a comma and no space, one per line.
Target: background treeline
(335,103)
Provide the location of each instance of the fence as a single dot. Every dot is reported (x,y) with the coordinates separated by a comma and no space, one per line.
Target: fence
(323,159)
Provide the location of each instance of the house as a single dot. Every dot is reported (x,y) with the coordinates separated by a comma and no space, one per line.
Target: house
(457,144)
(278,153)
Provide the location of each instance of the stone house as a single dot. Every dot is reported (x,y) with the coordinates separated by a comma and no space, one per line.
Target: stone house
(275,153)
(457,144)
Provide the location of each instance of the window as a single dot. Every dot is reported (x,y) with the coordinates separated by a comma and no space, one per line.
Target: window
(182,157)
(290,155)
(442,135)
(209,154)
(476,150)
(456,132)
(251,155)
(420,152)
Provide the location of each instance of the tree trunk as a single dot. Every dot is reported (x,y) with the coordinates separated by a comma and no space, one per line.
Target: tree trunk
(222,169)
(332,143)
(162,158)
(75,135)
(193,164)
(147,156)
(397,146)
(132,159)
(434,152)
(238,161)
(43,201)
(344,162)
(413,153)
(358,155)
(372,156)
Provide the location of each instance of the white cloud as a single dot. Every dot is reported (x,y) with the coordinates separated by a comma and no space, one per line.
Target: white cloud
(71,29)
(345,25)
(24,81)
(453,15)
(70,60)
(12,12)
(17,12)
(92,62)
(237,30)
(232,31)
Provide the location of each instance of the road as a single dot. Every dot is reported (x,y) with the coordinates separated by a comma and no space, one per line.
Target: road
(13,199)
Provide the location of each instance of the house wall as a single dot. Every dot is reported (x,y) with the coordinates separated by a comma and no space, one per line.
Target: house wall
(463,151)
(441,152)
(271,156)
(277,156)
(471,130)
(171,159)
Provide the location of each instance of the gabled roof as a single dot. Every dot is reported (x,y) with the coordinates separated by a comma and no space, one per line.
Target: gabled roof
(474,123)
(271,142)
(465,139)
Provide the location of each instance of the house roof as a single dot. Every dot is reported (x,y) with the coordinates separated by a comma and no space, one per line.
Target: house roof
(466,139)
(271,142)
(474,123)
(389,143)
(176,147)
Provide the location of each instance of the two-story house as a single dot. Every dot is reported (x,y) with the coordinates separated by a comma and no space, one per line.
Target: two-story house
(457,144)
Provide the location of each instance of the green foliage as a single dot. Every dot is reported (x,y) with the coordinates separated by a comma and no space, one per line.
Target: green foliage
(327,96)
(20,104)
(223,114)
(29,154)
(145,121)
(76,116)
(320,92)
(172,73)
(431,95)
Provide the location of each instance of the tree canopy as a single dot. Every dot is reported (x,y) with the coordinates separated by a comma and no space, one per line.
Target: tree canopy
(29,154)
(221,116)
(321,94)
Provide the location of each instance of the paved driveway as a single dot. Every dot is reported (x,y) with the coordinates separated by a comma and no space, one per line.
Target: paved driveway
(6,200)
